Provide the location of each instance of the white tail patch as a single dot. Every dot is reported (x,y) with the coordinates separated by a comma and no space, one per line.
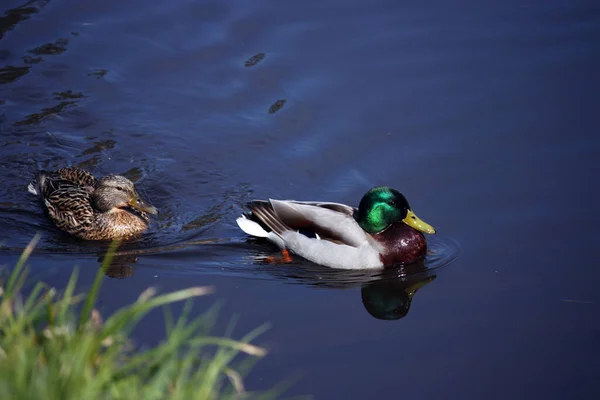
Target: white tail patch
(31,189)
(251,228)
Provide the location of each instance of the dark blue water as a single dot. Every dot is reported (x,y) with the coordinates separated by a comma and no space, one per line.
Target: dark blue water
(484,115)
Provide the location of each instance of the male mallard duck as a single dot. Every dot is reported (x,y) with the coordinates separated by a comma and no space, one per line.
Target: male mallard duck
(90,208)
(382,231)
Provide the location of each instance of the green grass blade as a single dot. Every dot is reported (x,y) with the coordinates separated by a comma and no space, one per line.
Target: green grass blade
(33,296)
(11,286)
(125,318)
(237,345)
(47,351)
(92,296)
(67,299)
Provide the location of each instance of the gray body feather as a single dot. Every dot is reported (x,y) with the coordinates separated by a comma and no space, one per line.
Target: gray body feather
(339,241)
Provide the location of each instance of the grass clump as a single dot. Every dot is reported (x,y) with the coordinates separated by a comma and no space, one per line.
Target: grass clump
(58,347)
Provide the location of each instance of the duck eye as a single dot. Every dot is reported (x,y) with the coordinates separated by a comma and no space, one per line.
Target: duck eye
(120,188)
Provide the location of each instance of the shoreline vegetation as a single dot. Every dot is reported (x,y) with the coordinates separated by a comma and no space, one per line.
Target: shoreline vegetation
(57,346)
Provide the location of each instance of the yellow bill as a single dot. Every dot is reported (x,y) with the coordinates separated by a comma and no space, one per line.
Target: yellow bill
(415,222)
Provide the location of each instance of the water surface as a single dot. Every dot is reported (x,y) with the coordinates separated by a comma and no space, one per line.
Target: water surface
(483,115)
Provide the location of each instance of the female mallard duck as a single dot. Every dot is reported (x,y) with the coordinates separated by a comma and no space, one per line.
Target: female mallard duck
(89,208)
(381,231)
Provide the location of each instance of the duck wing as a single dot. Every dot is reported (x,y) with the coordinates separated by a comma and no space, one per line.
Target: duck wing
(46,182)
(339,207)
(329,221)
(69,207)
(76,175)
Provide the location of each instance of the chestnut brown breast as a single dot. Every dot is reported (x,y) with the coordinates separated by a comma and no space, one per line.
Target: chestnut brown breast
(403,243)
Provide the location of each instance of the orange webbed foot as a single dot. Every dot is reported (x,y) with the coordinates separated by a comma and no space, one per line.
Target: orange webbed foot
(285,254)
(284,258)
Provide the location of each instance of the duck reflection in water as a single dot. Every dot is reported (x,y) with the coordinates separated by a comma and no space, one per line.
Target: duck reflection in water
(391,299)
(121,265)
(386,294)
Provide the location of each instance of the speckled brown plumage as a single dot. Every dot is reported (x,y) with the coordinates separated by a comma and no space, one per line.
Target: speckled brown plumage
(89,208)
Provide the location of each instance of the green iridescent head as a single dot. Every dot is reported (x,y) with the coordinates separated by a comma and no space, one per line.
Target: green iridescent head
(382,206)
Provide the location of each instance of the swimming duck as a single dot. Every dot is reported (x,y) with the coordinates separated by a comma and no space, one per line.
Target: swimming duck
(382,231)
(89,208)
